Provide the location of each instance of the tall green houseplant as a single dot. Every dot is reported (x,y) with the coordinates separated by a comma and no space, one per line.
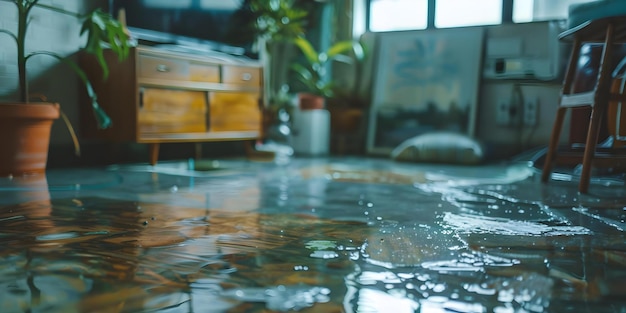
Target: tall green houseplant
(25,127)
(102,31)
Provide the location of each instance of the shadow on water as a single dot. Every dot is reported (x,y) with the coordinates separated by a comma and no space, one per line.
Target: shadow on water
(329,239)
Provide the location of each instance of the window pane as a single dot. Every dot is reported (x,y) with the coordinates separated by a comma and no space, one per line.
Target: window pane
(542,10)
(455,13)
(165,4)
(389,15)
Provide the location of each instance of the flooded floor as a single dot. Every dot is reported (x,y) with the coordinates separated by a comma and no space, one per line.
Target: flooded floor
(313,235)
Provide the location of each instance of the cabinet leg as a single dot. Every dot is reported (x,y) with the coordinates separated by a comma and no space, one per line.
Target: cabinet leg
(248,148)
(154,153)
(257,155)
(198,150)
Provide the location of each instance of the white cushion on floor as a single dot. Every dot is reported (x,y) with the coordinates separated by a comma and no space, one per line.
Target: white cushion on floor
(440,147)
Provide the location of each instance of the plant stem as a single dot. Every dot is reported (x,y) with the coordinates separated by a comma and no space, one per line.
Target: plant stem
(22,25)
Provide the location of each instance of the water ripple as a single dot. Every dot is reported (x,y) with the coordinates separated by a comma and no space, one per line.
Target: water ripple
(467,223)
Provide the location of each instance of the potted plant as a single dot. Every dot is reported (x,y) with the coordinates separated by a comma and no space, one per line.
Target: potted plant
(24,125)
(315,73)
(341,99)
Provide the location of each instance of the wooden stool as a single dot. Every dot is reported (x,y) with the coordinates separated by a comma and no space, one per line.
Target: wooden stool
(607,31)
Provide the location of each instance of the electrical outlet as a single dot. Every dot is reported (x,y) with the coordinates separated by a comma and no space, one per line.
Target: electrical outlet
(503,117)
(531,112)
(508,114)
(515,113)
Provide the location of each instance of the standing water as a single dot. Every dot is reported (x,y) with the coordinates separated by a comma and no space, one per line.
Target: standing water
(348,235)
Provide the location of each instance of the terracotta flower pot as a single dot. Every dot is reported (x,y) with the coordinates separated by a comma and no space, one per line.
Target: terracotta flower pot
(25,137)
(308,101)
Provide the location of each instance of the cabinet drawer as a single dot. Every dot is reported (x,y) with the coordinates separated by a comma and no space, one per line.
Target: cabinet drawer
(234,112)
(249,76)
(172,111)
(205,73)
(162,68)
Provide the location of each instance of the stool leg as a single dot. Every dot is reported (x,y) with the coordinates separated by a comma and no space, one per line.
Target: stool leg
(554,141)
(601,102)
(568,82)
(590,147)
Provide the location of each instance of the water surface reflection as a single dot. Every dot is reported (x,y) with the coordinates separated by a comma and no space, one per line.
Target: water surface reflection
(329,238)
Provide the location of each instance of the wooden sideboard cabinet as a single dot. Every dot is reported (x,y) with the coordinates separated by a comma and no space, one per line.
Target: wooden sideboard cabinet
(164,96)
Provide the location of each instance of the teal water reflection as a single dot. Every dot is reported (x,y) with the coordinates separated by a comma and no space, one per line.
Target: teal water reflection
(312,237)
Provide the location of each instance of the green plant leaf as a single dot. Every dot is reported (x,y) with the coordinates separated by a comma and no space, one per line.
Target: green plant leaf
(278,19)
(101,29)
(102,118)
(305,76)
(303,71)
(307,50)
(314,74)
(336,52)
(359,51)
(339,47)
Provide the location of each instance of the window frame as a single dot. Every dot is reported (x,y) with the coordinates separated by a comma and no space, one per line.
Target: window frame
(507,14)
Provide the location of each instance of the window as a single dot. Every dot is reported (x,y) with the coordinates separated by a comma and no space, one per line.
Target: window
(542,10)
(388,15)
(456,13)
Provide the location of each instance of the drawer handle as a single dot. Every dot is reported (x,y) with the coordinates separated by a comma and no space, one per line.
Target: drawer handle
(162,68)
(141,91)
(246,76)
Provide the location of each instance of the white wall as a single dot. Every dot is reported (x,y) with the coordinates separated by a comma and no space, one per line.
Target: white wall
(509,140)
(538,41)
(48,31)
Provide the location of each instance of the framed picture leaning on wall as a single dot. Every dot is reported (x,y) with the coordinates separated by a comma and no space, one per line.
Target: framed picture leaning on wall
(424,81)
